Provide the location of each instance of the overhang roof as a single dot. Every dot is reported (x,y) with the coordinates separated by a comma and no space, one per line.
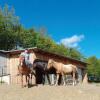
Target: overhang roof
(35,49)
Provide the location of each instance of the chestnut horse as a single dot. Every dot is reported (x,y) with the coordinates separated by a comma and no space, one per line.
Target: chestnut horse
(63,70)
(24,70)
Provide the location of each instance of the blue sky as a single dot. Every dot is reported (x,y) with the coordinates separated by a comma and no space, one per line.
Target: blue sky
(75,23)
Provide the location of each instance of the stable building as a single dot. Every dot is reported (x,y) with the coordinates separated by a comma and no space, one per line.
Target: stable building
(9,61)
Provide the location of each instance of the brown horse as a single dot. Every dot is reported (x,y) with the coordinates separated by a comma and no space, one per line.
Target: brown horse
(24,70)
(62,69)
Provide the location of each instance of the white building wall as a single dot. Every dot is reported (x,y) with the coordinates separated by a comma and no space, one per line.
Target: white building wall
(5,79)
(3,64)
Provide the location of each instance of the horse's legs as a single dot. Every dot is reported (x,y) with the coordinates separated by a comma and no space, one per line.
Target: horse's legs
(66,78)
(73,78)
(48,78)
(31,78)
(42,79)
(28,80)
(22,80)
(63,77)
(57,79)
(52,79)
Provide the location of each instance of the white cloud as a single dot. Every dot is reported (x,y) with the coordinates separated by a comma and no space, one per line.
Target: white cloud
(72,41)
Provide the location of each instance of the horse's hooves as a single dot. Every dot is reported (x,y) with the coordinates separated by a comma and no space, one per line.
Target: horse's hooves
(28,86)
(25,85)
(51,84)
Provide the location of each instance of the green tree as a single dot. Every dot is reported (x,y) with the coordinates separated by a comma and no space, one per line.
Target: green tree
(74,53)
(7,23)
(94,66)
(13,36)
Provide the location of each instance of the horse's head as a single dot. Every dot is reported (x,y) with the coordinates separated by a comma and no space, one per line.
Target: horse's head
(22,60)
(50,64)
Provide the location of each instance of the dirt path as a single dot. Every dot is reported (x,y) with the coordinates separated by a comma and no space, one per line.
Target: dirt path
(80,92)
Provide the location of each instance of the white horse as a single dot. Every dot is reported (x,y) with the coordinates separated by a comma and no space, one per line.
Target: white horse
(62,69)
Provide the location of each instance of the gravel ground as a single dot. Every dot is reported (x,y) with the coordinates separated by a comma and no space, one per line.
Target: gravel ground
(40,92)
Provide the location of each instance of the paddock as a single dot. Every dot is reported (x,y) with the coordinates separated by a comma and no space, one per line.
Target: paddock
(9,61)
(46,92)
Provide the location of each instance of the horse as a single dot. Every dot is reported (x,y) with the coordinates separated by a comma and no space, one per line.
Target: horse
(62,69)
(42,66)
(24,70)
